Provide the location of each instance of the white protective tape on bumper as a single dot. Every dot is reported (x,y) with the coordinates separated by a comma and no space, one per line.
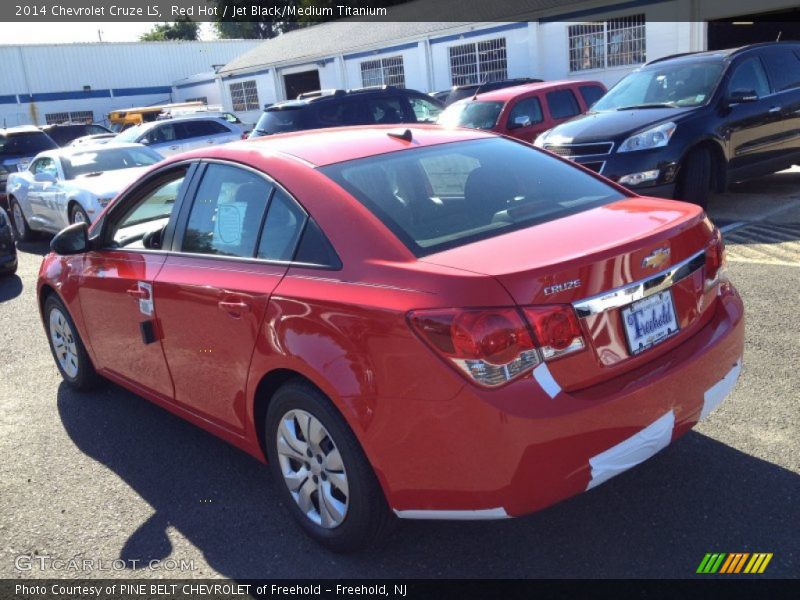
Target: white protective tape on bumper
(544,378)
(454,515)
(717,392)
(629,453)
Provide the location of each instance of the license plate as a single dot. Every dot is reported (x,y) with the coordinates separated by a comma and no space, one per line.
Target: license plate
(649,321)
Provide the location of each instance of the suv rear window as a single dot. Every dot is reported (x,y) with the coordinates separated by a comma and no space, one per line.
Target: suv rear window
(279,121)
(453,194)
(25,144)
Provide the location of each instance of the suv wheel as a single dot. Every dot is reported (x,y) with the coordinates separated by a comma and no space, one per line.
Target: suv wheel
(695,177)
(321,471)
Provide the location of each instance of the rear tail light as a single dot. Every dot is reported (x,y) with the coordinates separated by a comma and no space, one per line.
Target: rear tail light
(492,346)
(716,265)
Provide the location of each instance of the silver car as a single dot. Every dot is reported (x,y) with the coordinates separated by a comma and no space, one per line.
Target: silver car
(179,134)
(72,185)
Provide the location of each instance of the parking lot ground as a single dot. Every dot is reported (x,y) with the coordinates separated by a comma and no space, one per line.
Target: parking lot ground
(107,475)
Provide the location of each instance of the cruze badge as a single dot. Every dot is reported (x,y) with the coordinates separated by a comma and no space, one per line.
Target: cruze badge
(561,287)
(656,258)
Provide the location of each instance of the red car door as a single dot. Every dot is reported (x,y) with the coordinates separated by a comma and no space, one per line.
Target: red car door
(213,290)
(115,288)
(524,119)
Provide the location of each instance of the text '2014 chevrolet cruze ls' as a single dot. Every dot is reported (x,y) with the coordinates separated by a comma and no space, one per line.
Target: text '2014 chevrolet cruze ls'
(417,323)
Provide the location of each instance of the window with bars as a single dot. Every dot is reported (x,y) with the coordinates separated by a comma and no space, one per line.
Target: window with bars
(478,62)
(77,116)
(244,95)
(383,71)
(203,99)
(613,43)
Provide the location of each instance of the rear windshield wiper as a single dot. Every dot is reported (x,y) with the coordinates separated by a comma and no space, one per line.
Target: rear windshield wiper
(653,105)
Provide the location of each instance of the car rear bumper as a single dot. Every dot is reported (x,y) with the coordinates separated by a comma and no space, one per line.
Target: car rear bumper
(495,454)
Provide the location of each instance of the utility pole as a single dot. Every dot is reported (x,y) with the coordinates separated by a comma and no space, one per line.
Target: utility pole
(99,35)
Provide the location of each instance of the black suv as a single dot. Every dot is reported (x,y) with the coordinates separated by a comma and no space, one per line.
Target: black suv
(684,125)
(18,146)
(62,134)
(457,92)
(337,108)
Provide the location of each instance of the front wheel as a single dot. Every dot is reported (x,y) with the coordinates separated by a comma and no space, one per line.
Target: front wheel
(323,476)
(78,215)
(19,223)
(694,184)
(68,350)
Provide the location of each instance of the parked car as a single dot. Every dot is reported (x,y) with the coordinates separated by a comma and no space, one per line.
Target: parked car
(18,146)
(63,134)
(180,134)
(441,96)
(524,111)
(336,108)
(459,92)
(490,342)
(72,185)
(685,125)
(8,250)
(232,119)
(92,140)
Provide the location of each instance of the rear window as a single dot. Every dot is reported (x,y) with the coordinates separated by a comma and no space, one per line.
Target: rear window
(25,144)
(279,121)
(449,195)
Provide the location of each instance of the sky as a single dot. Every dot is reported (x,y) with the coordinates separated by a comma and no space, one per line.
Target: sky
(64,33)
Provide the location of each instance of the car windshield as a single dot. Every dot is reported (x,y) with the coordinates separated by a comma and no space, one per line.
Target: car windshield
(280,120)
(475,115)
(453,194)
(106,159)
(131,134)
(25,144)
(664,85)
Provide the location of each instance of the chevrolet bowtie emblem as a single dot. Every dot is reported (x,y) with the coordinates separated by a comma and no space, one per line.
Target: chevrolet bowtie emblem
(657,258)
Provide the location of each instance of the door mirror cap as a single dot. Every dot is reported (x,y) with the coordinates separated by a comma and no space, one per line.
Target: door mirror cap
(742,96)
(71,240)
(44,177)
(145,141)
(521,121)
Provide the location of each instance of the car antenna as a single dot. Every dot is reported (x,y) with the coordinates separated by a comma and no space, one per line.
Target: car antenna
(478,89)
(778,39)
(406,135)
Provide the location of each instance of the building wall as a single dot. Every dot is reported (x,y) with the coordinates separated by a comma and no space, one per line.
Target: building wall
(100,77)
(207,88)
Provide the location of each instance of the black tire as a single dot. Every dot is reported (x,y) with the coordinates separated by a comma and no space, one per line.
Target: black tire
(77,211)
(22,231)
(85,377)
(695,177)
(11,271)
(367,519)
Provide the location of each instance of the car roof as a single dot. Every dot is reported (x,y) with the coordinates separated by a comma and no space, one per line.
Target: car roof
(719,55)
(505,94)
(70,150)
(21,129)
(336,94)
(322,147)
(151,124)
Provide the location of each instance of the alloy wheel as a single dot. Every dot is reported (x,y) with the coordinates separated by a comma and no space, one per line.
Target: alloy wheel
(19,219)
(312,468)
(63,340)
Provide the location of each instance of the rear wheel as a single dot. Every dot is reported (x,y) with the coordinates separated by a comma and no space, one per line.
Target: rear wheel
(22,232)
(321,471)
(78,215)
(695,177)
(68,350)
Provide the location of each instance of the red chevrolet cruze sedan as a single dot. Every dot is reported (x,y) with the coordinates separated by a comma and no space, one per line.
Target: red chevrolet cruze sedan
(421,323)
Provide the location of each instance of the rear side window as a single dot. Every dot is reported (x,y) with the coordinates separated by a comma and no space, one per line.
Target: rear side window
(525,112)
(200,128)
(227,213)
(279,121)
(748,76)
(468,191)
(385,110)
(784,68)
(562,104)
(25,144)
(591,93)
(282,229)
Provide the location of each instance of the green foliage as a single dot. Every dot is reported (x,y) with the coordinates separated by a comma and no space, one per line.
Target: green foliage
(182,29)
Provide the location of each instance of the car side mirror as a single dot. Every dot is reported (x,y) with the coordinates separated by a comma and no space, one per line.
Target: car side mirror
(71,240)
(519,122)
(145,141)
(742,96)
(44,177)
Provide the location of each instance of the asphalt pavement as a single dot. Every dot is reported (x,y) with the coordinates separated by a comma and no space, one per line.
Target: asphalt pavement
(107,476)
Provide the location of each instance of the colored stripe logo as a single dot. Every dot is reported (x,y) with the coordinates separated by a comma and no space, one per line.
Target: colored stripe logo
(733,563)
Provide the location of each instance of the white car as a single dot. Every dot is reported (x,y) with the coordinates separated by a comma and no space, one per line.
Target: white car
(72,185)
(179,134)
(91,140)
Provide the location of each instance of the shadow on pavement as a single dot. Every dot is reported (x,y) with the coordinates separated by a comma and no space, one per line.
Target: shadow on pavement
(10,287)
(40,246)
(657,520)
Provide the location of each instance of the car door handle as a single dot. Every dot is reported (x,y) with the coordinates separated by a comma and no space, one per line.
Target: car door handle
(138,293)
(775,109)
(174,147)
(209,141)
(234,308)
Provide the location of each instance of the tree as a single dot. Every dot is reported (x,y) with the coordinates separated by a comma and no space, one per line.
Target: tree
(182,29)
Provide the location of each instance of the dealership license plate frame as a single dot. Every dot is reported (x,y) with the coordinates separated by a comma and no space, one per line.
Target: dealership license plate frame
(658,298)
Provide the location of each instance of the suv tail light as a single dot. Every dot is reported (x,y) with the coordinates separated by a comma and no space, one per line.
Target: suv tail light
(716,265)
(492,346)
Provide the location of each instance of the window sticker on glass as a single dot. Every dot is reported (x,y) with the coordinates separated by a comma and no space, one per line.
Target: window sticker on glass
(228,226)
